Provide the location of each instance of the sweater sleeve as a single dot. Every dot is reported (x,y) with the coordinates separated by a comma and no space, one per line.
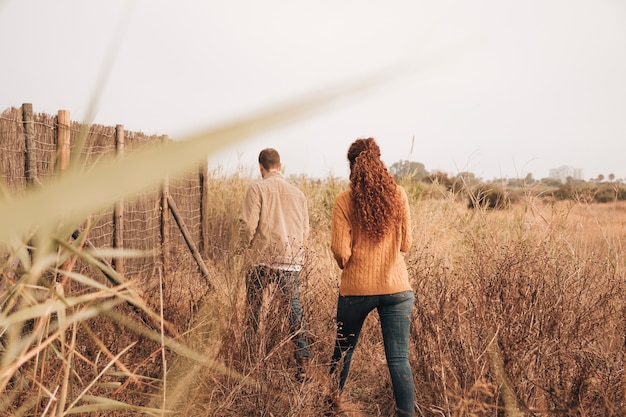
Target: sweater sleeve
(341,233)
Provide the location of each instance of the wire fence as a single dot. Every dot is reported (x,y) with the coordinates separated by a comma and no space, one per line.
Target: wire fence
(30,152)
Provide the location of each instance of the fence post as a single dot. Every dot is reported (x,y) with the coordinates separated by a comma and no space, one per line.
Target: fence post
(63,140)
(62,162)
(30,161)
(165,224)
(204,208)
(118,210)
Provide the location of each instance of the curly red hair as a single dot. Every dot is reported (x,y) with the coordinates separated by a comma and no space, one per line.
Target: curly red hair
(378,204)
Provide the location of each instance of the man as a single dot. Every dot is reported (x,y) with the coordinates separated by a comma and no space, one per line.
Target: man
(274,227)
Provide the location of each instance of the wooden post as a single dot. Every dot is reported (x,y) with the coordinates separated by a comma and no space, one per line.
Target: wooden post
(118,211)
(62,162)
(165,224)
(204,208)
(30,161)
(189,240)
(63,140)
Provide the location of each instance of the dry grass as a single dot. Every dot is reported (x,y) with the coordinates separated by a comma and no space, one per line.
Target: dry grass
(518,312)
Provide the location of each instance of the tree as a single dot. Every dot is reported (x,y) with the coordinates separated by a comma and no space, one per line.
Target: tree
(467,178)
(551,182)
(408,169)
(529,180)
(439,178)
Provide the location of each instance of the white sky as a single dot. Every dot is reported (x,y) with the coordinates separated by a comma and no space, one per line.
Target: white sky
(505,87)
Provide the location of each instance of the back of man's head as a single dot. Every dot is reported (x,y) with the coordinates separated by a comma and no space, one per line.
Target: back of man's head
(269,158)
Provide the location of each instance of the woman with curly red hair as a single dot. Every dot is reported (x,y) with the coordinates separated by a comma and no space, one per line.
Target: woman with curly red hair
(370,230)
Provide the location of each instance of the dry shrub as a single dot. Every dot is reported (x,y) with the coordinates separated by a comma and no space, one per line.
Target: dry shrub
(490,196)
(553,314)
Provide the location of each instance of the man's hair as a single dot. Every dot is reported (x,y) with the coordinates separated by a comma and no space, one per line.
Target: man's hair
(269,158)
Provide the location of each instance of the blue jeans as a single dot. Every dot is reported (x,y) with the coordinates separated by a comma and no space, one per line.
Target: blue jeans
(258,277)
(394,311)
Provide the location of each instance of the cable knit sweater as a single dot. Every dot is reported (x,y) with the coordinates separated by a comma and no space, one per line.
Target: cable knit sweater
(369,268)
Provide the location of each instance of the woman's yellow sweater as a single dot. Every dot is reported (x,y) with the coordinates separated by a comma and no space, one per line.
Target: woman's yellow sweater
(368,267)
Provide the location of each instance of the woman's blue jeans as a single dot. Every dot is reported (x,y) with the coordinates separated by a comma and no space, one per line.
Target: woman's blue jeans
(395,312)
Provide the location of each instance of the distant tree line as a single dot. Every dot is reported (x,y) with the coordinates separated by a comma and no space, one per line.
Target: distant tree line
(500,193)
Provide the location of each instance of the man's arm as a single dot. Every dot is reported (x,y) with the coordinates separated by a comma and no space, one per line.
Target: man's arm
(250,216)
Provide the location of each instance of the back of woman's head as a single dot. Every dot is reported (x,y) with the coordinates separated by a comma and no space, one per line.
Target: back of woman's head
(359,146)
(377,202)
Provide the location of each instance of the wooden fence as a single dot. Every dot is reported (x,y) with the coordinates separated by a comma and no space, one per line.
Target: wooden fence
(35,147)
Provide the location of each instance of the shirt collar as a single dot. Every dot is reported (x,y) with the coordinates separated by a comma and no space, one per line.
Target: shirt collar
(273,174)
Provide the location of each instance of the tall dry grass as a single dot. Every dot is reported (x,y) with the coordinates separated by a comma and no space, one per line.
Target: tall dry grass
(530,300)
(518,312)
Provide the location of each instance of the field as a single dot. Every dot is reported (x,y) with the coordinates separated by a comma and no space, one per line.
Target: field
(518,312)
(519,309)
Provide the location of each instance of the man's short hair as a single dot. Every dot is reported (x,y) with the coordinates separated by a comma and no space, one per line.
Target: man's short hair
(269,158)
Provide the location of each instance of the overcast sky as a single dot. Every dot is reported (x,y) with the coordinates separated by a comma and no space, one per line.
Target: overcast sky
(503,88)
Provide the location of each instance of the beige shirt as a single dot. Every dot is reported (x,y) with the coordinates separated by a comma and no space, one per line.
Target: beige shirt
(275,222)
(368,267)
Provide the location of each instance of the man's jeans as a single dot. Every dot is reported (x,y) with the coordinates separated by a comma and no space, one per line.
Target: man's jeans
(288,281)
(394,311)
